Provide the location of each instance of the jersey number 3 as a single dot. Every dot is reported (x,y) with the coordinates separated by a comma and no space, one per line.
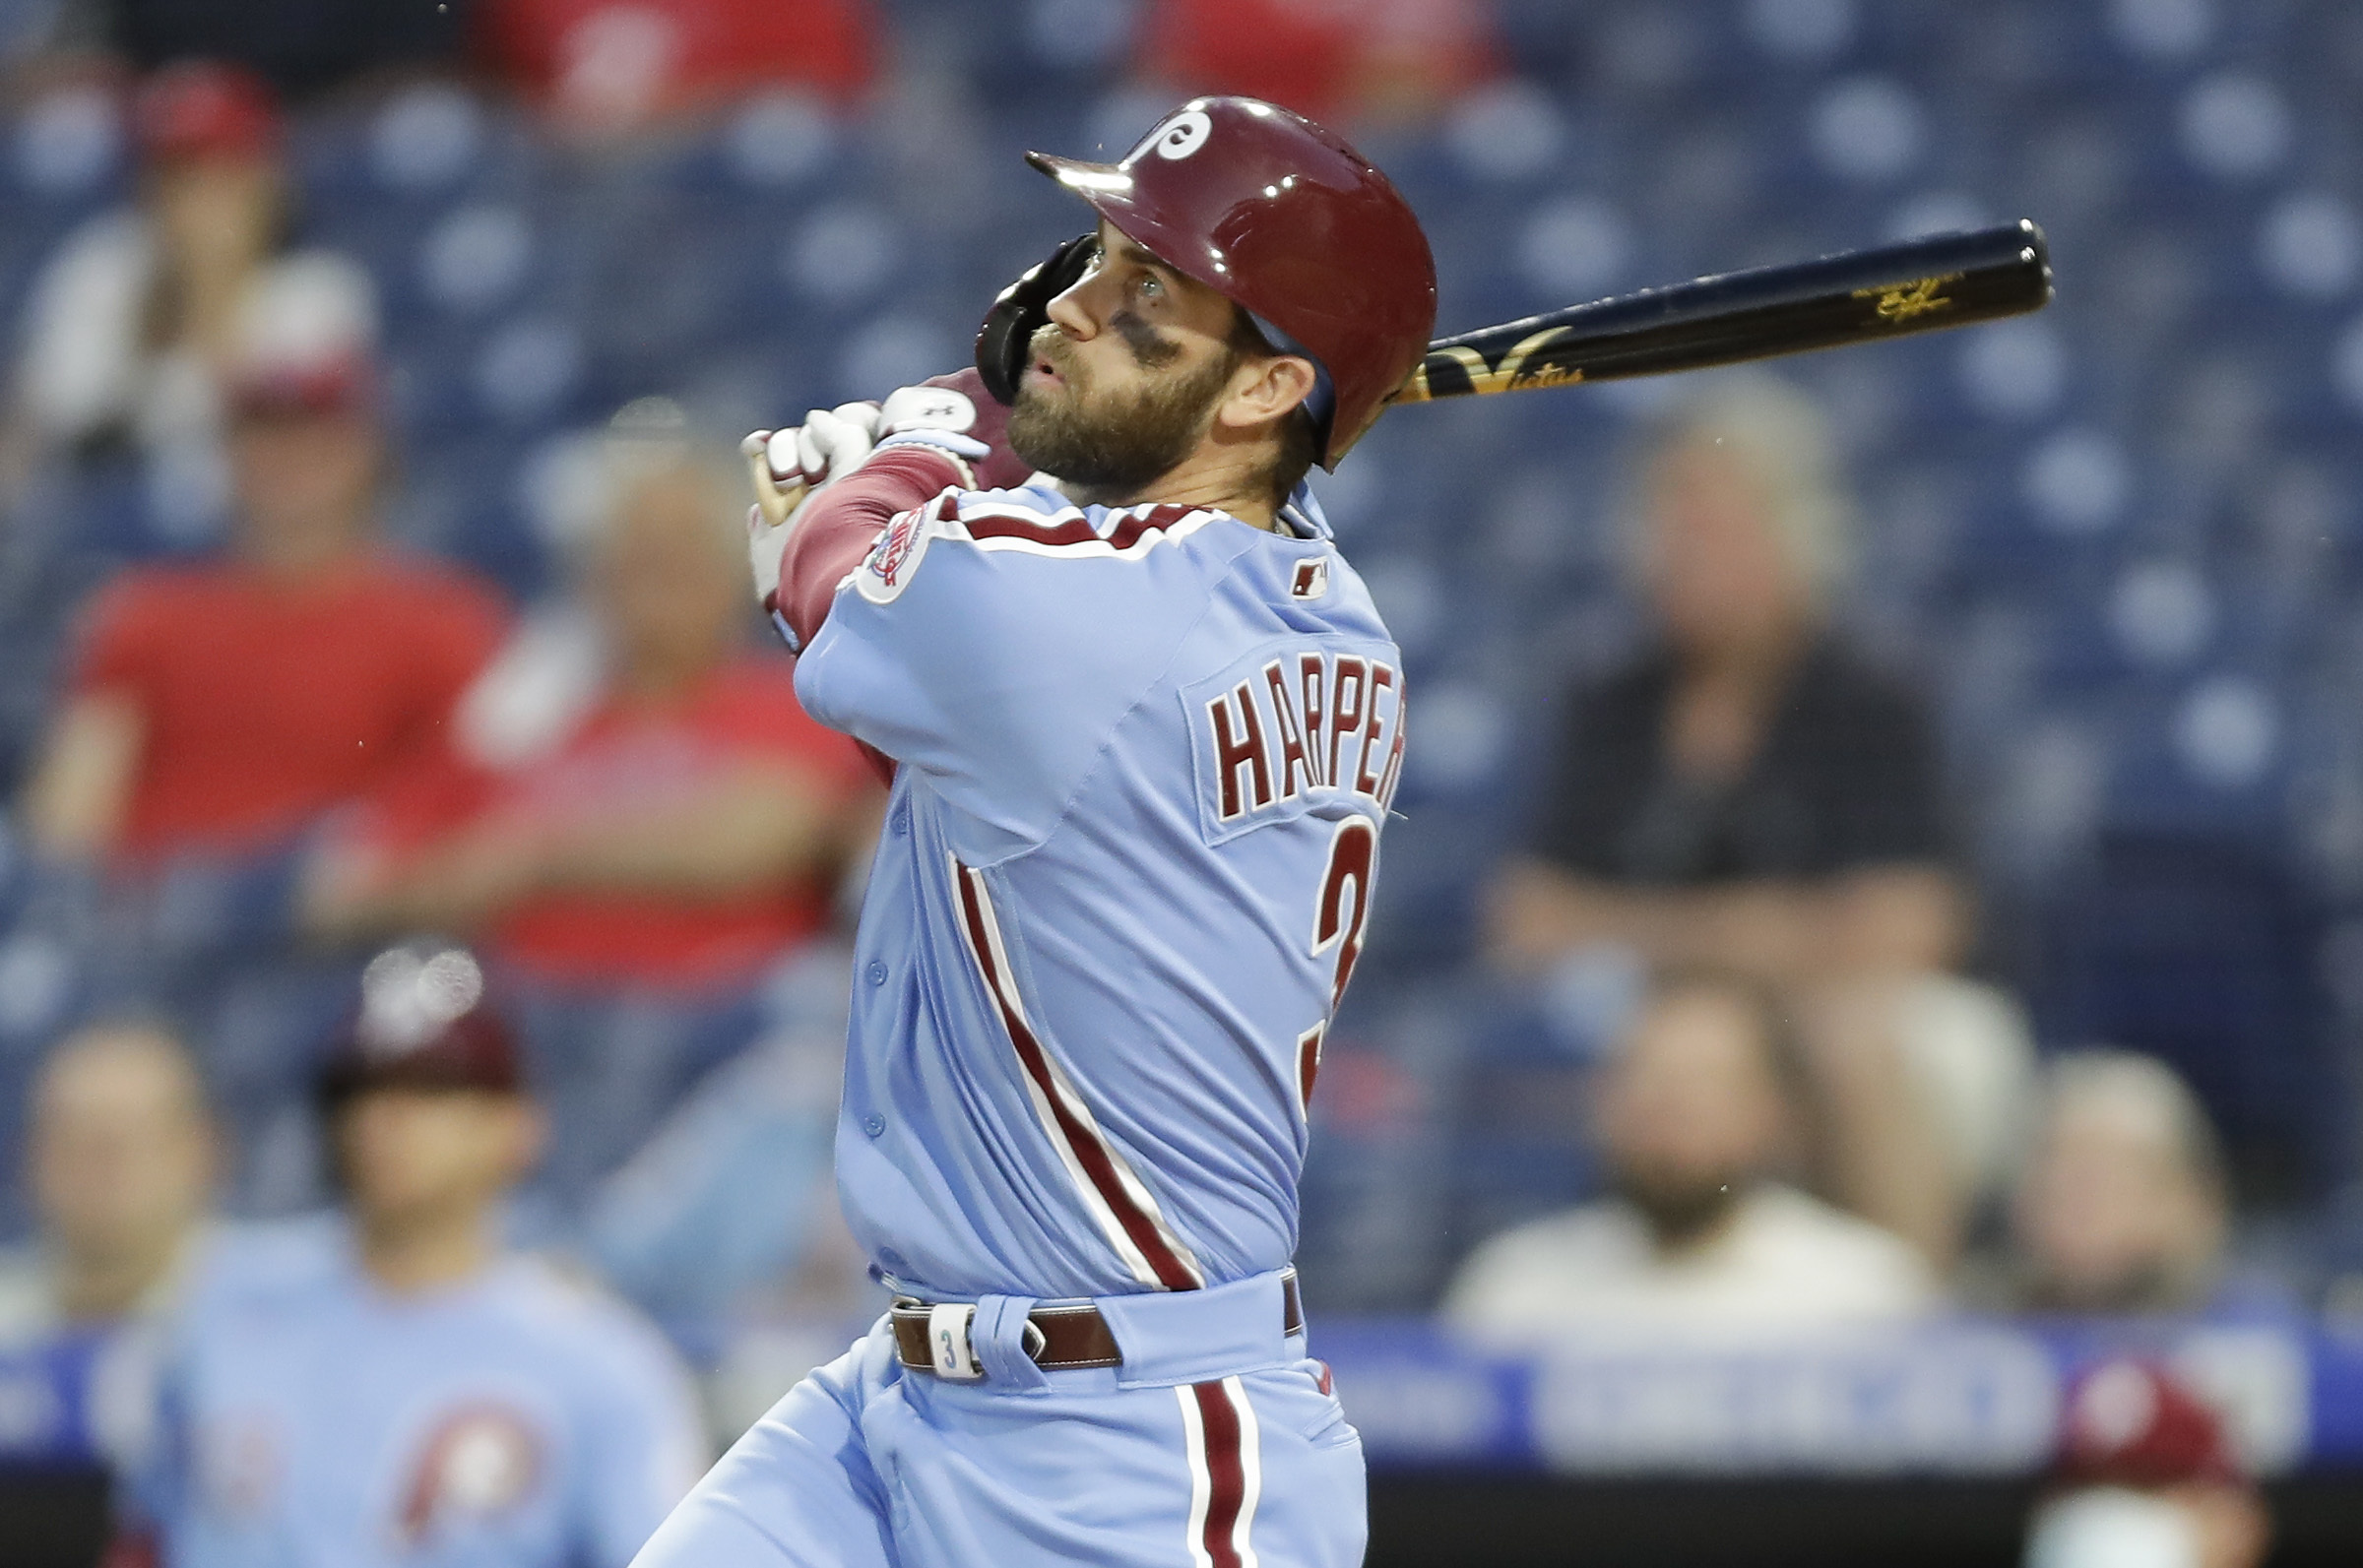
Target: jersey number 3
(1338,916)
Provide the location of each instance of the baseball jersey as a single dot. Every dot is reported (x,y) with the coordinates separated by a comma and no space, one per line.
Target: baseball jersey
(514,1420)
(264,704)
(1144,754)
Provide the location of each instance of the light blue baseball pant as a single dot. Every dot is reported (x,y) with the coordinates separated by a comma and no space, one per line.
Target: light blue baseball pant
(1217,1444)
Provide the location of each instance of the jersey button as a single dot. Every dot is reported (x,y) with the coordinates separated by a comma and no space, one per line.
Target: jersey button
(877,973)
(901,819)
(873,1125)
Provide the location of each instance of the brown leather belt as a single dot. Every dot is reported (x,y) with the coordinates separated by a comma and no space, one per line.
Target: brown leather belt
(1059,1338)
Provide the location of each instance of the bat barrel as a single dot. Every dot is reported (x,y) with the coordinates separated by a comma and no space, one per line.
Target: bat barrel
(1924,285)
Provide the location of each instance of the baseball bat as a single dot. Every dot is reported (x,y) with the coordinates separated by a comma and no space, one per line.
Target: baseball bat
(1919,286)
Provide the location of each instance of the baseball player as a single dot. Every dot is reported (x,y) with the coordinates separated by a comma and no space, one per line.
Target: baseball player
(388,1387)
(1144,726)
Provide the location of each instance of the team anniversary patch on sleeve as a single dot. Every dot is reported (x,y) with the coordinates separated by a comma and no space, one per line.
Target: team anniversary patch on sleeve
(1293,726)
(895,559)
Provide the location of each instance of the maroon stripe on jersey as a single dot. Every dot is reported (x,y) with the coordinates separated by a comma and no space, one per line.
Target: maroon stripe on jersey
(1226,1474)
(1090,1151)
(1008,524)
(1129,532)
(1013,525)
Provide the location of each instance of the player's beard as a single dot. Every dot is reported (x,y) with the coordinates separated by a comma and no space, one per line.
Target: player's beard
(1680,1209)
(1111,446)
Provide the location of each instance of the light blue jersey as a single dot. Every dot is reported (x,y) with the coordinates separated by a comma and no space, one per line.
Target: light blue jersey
(515,1420)
(1144,757)
(1145,754)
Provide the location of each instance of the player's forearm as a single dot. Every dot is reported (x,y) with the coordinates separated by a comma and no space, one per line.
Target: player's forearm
(841,524)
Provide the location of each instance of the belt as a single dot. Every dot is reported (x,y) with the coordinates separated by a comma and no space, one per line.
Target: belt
(933,1336)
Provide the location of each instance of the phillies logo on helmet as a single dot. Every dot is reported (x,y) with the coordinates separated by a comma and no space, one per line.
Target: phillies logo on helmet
(1184,134)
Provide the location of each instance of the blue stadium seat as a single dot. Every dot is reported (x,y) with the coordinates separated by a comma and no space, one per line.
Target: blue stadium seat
(2199,949)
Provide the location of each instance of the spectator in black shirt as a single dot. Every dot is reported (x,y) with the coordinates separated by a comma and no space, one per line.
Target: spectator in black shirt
(1747,795)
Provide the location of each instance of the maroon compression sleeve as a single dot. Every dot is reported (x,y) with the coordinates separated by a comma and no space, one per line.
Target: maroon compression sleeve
(841,524)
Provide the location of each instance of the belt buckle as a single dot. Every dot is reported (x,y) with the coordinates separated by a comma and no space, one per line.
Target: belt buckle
(948,1348)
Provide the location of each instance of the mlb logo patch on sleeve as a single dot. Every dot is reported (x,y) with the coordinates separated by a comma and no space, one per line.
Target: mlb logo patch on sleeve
(1311,580)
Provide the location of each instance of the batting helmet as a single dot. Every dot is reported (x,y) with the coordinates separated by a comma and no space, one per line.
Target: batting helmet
(1294,226)
(423,1023)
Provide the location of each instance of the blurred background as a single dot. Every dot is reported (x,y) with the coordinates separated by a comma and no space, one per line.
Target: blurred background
(1859,1050)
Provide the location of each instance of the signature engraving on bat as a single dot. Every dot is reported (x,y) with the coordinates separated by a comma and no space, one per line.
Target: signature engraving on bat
(1900,302)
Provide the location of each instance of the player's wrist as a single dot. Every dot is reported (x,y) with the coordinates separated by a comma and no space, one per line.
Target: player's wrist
(963,452)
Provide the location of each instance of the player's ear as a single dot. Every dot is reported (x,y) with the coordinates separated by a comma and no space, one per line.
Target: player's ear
(1267,388)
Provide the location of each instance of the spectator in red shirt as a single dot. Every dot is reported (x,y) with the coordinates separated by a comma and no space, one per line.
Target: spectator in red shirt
(217,710)
(615,65)
(1335,60)
(638,854)
(221,708)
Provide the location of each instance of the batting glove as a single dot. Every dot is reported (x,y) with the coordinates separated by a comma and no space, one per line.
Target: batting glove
(829,444)
(933,415)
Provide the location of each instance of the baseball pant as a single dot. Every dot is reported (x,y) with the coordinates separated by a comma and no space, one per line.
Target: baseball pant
(1166,1462)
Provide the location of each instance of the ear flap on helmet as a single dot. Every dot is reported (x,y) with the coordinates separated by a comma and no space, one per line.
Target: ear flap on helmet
(1007,335)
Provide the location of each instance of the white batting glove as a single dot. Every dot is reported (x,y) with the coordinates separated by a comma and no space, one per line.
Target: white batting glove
(787,467)
(789,463)
(830,444)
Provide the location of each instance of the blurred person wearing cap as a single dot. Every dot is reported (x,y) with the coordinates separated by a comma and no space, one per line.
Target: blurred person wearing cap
(215,708)
(2121,1206)
(1748,792)
(219,705)
(634,817)
(392,1384)
(2146,1477)
(1701,1114)
(120,1163)
(132,326)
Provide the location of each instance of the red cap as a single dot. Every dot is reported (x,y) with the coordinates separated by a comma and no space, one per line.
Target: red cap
(346,384)
(1292,224)
(306,335)
(423,1023)
(2133,1423)
(205,108)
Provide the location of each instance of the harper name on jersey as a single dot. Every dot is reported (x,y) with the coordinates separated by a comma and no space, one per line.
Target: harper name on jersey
(1328,720)
(1145,756)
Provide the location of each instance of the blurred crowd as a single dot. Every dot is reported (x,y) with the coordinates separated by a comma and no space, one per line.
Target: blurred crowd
(1750,1026)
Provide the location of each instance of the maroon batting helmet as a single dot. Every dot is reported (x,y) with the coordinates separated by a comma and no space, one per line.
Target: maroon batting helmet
(1294,226)
(2131,1423)
(423,1023)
